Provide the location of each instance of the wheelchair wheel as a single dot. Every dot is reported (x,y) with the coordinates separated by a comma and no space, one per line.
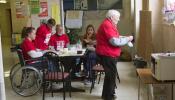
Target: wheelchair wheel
(26,81)
(13,69)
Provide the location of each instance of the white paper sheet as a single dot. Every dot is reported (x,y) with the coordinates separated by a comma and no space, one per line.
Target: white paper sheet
(74,19)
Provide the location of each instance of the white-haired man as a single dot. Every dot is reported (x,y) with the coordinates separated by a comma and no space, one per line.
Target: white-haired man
(108,50)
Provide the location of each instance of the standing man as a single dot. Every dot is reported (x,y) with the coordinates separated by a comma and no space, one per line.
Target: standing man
(43,34)
(108,50)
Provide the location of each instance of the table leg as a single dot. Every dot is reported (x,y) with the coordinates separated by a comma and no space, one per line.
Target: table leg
(148,91)
(172,91)
(139,89)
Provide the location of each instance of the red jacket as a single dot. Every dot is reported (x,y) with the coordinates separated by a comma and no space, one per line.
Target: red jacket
(43,35)
(105,32)
(55,39)
(27,46)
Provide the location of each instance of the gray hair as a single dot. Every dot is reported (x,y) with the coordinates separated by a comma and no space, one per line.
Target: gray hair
(112,12)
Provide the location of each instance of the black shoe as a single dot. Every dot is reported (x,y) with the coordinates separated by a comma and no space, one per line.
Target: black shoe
(108,98)
(114,96)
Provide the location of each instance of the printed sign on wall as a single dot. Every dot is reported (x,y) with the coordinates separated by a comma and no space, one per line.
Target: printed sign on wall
(43,9)
(21,9)
(34,6)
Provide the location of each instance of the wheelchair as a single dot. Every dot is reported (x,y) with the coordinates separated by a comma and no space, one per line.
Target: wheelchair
(26,80)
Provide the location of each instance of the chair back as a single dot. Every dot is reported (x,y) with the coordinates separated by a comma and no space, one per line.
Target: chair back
(55,73)
(55,69)
(21,57)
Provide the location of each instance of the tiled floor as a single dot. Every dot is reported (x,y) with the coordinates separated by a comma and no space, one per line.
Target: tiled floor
(127,89)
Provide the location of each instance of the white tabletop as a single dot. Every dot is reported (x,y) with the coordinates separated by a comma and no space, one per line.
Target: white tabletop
(63,53)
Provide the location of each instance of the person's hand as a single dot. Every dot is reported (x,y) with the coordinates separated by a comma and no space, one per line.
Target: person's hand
(85,40)
(130,38)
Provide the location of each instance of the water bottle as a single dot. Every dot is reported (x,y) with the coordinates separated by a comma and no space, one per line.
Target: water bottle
(79,45)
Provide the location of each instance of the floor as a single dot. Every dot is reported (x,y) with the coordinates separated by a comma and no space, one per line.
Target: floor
(127,89)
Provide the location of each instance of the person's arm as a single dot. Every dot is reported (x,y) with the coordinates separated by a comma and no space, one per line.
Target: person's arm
(120,41)
(34,54)
(90,47)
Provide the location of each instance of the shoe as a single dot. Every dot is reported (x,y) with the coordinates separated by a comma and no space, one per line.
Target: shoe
(77,74)
(114,96)
(107,98)
(87,82)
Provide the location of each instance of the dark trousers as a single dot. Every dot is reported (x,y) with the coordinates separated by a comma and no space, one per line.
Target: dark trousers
(109,64)
(90,61)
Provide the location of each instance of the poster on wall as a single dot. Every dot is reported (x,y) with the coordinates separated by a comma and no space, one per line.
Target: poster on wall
(81,4)
(43,9)
(34,6)
(55,13)
(21,9)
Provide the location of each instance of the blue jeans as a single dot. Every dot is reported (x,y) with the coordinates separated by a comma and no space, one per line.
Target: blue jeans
(90,61)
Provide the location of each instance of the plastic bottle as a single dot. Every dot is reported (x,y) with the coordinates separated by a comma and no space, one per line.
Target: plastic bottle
(79,45)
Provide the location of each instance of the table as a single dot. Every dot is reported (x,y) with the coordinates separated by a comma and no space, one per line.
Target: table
(68,60)
(145,76)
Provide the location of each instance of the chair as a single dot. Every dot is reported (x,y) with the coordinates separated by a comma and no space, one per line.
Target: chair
(55,73)
(25,79)
(98,68)
(95,70)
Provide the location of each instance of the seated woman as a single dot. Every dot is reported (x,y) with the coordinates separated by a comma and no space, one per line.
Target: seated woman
(28,47)
(59,39)
(89,41)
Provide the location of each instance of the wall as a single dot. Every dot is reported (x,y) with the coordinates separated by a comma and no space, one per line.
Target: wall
(17,23)
(96,17)
(157,30)
(168,38)
(4,20)
(162,34)
(137,8)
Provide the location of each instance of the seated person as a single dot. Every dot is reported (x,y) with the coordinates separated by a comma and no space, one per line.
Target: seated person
(89,42)
(28,47)
(59,39)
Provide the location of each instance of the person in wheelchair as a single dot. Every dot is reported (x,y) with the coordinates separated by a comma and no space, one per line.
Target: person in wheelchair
(29,49)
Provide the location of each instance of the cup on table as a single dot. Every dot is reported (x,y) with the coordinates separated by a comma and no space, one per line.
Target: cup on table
(65,50)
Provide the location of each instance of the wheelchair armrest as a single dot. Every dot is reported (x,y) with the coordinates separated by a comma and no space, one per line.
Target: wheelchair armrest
(34,59)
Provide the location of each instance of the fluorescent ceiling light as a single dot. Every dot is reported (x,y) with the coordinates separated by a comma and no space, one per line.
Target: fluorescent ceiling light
(3,1)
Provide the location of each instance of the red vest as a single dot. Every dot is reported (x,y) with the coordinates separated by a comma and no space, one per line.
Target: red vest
(105,32)
(43,35)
